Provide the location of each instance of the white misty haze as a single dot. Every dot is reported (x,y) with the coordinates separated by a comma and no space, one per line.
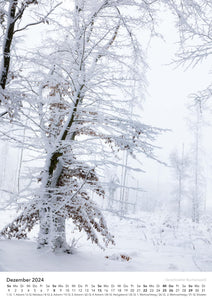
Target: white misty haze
(166,107)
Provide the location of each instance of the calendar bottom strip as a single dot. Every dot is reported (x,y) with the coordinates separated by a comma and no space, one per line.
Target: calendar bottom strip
(104,284)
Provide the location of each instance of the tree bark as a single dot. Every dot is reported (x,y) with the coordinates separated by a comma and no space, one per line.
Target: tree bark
(7,43)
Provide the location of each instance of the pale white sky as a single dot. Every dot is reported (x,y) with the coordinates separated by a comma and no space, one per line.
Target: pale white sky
(165,107)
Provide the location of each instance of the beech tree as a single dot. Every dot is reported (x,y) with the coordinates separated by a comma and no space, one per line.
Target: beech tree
(77,88)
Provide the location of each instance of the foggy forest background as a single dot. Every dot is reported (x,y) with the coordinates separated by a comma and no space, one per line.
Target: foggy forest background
(105,131)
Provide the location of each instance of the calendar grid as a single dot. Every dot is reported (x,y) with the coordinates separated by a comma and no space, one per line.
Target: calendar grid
(108,285)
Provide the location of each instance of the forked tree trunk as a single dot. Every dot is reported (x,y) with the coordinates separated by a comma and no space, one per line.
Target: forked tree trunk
(52,226)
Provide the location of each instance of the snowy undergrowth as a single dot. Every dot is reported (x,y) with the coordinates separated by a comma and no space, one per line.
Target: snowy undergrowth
(147,242)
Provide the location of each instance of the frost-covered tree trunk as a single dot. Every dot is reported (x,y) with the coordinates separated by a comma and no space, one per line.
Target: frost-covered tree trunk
(8,38)
(59,237)
(44,230)
(52,224)
(123,190)
(180,164)
(197,178)
(52,231)
(196,195)
(179,198)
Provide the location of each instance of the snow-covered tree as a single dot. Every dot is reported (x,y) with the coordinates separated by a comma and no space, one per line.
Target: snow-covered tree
(195,28)
(197,179)
(77,111)
(112,187)
(180,164)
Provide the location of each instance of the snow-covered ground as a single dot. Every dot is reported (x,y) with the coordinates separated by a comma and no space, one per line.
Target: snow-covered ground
(147,242)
